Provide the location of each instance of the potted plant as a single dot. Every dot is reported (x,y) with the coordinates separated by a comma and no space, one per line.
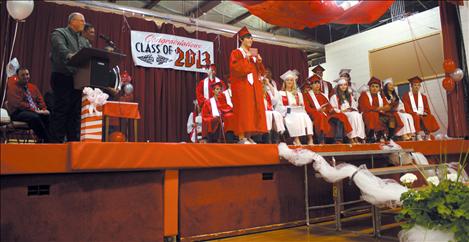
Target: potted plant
(437,212)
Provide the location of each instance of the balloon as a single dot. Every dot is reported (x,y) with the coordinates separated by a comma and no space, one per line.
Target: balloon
(457,75)
(20,10)
(448,84)
(117,137)
(125,77)
(128,88)
(449,65)
(13,78)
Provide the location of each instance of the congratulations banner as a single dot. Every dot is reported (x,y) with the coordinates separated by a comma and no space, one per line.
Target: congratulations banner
(170,51)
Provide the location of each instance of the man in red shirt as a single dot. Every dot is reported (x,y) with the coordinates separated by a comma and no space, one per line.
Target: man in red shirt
(25,103)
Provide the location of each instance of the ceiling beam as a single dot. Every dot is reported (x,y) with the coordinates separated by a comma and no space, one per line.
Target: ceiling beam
(199,10)
(273,29)
(239,18)
(150,4)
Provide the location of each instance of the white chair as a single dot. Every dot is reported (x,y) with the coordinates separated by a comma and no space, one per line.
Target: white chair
(20,130)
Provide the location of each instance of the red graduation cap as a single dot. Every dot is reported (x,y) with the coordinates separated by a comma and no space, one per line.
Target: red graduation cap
(318,68)
(243,32)
(213,85)
(374,80)
(415,79)
(314,78)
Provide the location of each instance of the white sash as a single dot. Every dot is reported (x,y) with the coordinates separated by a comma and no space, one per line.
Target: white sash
(227,93)
(243,52)
(380,99)
(213,105)
(419,107)
(315,100)
(326,88)
(249,76)
(206,87)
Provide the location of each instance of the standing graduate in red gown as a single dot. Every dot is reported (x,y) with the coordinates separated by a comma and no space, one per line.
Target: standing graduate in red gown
(326,87)
(327,122)
(374,107)
(416,104)
(203,90)
(246,70)
(217,115)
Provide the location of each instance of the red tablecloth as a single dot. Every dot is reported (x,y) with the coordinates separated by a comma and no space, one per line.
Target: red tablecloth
(121,110)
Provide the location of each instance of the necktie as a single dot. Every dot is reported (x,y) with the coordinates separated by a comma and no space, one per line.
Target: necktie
(31,102)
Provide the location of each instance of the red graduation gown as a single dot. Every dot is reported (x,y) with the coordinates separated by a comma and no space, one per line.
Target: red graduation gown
(199,91)
(429,122)
(394,112)
(321,119)
(369,112)
(209,123)
(329,87)
(247,99)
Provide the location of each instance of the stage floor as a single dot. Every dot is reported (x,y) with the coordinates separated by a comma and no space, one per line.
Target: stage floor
(194,191)
(119,156)
(322,232)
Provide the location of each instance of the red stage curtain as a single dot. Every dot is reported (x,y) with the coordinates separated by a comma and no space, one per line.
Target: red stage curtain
(165,95)
(301,14)
(452,37)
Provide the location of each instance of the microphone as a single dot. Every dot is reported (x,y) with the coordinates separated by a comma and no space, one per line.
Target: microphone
(107,39)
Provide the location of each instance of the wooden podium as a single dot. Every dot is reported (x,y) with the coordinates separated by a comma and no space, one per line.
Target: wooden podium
(93,67)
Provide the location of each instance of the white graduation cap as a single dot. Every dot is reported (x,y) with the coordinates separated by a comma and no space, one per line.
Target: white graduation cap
(387,81)
(345,71)
(290,74)
(341,81)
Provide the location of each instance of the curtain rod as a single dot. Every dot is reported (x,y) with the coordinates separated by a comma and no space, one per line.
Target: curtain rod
(212,27)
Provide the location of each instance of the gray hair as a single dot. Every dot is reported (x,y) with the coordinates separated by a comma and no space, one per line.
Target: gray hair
(72,15)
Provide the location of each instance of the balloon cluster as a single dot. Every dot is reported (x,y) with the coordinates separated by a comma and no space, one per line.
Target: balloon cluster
(127,86)
(453,75)
(117,137)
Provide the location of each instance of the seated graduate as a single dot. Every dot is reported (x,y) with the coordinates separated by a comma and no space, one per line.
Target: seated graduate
(374,107)
(194,124)
(345,74)
(404,122)
(274,118)
(203,91)
(217,116)
(326,87)
(228,94)
(296,119)
(416,104)
(344,101)
(327,122)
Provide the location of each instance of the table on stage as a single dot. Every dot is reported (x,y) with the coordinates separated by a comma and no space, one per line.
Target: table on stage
(128,110)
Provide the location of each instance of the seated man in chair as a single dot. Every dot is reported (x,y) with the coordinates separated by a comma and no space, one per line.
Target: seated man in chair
(26,104)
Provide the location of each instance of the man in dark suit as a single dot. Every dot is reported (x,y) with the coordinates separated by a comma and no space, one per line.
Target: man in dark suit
(66,42)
